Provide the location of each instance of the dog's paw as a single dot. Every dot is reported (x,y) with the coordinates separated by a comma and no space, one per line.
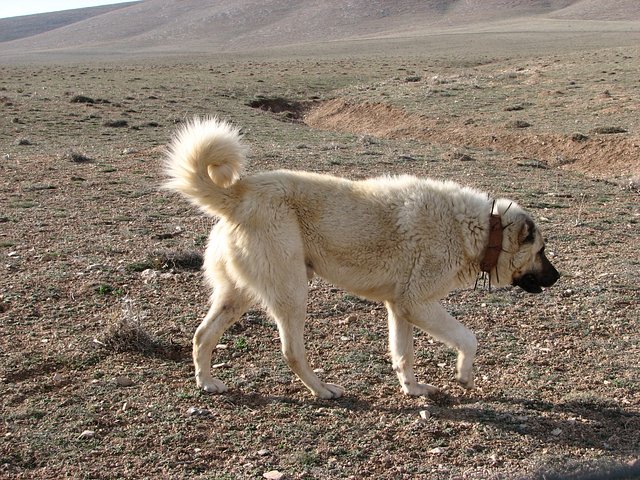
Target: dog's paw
(211,385)
(467,383)
(420,390)
(329,391)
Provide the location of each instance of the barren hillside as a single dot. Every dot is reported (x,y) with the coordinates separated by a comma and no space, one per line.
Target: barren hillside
(159,26)
(30,25)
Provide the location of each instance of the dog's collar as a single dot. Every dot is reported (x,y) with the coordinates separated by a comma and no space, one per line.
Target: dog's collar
(494,246)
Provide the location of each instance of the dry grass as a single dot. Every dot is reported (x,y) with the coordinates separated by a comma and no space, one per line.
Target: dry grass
(557,374)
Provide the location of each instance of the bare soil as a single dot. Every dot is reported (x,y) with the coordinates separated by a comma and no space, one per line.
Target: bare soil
(100,292)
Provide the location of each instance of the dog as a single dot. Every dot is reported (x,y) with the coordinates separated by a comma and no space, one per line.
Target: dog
(401,240)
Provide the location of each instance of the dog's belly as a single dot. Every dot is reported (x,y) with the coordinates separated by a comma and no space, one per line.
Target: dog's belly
(372,285)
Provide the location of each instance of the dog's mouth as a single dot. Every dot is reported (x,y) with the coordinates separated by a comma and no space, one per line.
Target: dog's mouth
(532,283)
(529,283)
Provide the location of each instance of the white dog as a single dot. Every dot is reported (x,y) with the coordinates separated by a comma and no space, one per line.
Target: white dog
(404,241)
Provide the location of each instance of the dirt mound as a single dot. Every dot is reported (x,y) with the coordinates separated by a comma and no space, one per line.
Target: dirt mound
(598,155)
(375,119)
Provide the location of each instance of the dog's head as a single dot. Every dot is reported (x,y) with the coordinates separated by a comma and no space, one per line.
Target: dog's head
(522,260)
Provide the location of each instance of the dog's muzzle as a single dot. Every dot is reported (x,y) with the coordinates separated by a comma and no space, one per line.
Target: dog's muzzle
(533,282)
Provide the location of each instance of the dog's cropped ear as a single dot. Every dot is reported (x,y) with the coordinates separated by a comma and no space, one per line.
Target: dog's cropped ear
(527,232)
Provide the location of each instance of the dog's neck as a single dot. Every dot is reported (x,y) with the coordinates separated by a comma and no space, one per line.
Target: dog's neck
(494,246)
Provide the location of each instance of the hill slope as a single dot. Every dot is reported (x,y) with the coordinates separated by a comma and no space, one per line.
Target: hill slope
(234,25)
(30,25)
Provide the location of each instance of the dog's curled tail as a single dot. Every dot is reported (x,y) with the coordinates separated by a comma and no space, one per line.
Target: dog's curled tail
(204,159)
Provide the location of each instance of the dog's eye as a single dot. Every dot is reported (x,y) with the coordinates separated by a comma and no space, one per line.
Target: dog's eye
(530,238)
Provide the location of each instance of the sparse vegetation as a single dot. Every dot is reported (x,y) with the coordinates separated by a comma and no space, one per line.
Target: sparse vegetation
(116,123)
(557,374)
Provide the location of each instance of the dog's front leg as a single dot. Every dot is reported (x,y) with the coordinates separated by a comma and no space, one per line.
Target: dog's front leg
(435,320)
(402,355)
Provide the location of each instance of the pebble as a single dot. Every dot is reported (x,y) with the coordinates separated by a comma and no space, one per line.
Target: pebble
(437,450)
(123,381)
(149,275)
(87,434)
(263,452)
(273,475)
(198,412)
(424,415)
(96,266)
(350,319)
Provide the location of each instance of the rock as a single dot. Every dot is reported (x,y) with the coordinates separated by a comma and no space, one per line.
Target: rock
(87,434)
(273,475)
(424,415)
(263,452)
(60,379)
(123,381)
(198,412)
(96,267)
(437,451)
(149,275)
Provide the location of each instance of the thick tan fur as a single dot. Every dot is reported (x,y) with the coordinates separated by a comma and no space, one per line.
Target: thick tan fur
(404,241)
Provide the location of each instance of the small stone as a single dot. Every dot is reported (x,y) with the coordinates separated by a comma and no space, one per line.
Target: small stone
(437,450)
(87,434)
(263,452)
(198,412)
(149,275)
(273,475)
(123,381)
(424,415)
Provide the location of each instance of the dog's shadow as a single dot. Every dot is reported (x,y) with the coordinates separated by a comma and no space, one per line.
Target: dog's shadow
(585,423)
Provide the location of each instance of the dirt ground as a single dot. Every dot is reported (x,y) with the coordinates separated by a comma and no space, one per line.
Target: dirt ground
(100,290)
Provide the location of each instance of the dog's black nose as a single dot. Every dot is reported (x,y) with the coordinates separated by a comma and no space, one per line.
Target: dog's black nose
(549,275)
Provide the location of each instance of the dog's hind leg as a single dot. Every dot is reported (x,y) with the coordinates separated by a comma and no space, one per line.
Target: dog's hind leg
(227,307)
(434,319)
(402,355)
